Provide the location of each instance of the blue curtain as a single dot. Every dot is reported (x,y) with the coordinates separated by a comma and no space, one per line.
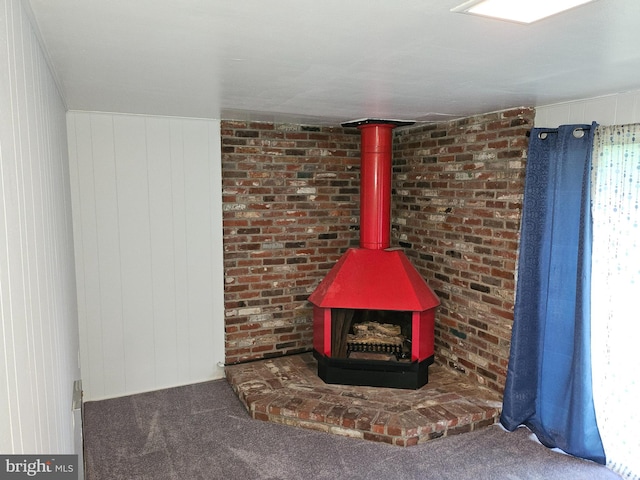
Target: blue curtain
(548,385)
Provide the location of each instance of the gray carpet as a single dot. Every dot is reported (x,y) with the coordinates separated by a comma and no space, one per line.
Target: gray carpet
(202,431)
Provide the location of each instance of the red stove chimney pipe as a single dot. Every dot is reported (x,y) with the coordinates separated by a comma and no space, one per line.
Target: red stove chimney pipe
(375,185)
(375,180)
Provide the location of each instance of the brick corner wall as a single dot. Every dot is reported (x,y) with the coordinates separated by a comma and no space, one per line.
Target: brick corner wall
(457,204)
(290,209)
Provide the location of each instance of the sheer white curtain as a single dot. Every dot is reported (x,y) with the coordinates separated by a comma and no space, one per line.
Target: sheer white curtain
(615,296)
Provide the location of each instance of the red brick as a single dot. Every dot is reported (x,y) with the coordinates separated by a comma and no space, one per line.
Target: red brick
(494,139)
(476,221)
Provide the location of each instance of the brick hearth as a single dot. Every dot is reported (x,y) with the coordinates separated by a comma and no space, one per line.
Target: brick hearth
(287,390)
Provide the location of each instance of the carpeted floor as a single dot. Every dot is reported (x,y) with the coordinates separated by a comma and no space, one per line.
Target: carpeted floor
(202,431)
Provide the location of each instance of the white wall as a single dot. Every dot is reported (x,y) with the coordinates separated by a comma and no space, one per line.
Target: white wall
(147,205)
(614,109)
(39,334)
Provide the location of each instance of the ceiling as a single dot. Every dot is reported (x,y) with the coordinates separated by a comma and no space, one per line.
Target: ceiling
(328,61)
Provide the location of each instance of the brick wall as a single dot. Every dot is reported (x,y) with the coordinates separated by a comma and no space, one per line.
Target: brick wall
(456,210)
(291,196)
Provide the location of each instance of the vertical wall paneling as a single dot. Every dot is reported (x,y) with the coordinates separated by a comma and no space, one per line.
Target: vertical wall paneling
(135,251)
(217,233)
(199,242)
(614,109)
(149,250)
(179,257)
(39,334)
(88,293)
(161,219)
(105,295)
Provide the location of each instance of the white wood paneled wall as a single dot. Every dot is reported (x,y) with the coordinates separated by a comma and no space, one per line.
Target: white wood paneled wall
(147,203)
(617,109)
(39,331)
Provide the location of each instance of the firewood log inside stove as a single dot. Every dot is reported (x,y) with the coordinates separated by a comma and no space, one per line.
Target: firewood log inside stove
(375,333)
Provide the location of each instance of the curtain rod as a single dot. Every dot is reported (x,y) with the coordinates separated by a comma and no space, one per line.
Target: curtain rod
(554,130)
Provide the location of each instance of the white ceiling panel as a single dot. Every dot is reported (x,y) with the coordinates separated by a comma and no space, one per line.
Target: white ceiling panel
(332,60)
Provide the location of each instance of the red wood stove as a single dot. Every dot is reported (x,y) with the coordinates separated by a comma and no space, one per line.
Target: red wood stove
(374,290)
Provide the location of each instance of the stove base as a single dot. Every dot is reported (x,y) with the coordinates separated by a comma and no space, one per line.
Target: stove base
(373,373)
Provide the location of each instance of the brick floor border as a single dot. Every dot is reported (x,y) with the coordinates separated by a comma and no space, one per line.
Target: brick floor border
(287,390)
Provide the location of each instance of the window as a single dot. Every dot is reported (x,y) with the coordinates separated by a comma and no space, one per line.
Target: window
(615,294)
